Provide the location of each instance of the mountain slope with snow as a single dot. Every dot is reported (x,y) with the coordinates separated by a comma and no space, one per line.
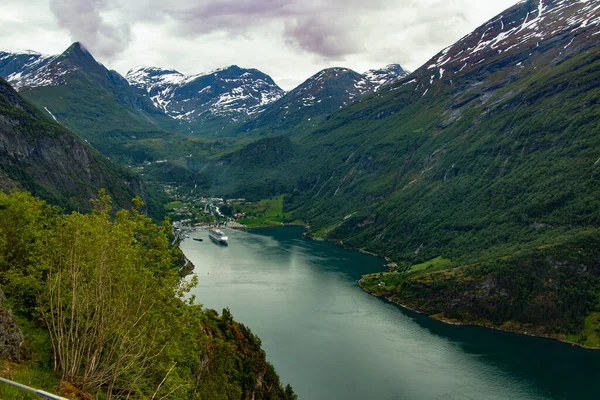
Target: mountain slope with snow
(320,95)
(385,76)
(233,93)
(512,41)
(82,94)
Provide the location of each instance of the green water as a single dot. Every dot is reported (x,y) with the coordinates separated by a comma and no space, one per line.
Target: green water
(330,340)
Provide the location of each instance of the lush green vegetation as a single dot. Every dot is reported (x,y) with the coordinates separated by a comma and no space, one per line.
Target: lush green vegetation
(552,290)
(106,313)
(436,263)
(174,205)
(265,212)
(467,173)
(51,162)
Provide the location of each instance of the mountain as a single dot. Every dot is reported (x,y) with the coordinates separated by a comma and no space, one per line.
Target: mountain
(316,98)
(21,69)
(96,103)
(41,156)
(385,76)
(480,169)
(228,94)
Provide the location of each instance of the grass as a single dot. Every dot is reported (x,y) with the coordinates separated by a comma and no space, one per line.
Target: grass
(36,372)
(591,332)
(174,205)
(433,264)
(266,212)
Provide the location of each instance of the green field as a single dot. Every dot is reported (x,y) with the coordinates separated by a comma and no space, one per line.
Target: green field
(266,212)
(174,205)
(436,263)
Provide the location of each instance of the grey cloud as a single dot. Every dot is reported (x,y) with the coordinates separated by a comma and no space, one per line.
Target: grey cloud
(391,30)
(83,20)
(326,38)
(324,28)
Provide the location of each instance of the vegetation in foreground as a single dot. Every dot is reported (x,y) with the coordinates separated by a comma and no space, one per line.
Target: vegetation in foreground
(104,310)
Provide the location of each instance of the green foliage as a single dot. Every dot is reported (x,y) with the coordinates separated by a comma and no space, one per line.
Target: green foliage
(45,158)
(436,263)
(106,286)
(552,290)
(494,164)
(265,212)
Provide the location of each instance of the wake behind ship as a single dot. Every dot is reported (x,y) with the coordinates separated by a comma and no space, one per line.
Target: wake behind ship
(217,236)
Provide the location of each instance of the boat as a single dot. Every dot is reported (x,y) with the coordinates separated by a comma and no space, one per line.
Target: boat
(198,239)
(217,235)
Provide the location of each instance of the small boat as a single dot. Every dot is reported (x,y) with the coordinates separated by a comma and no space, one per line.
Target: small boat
(198,239)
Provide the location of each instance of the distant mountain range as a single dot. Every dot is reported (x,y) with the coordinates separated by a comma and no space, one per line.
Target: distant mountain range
(156,99)
(232,92)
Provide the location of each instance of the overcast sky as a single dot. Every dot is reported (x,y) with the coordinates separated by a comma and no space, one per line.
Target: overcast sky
(287,39)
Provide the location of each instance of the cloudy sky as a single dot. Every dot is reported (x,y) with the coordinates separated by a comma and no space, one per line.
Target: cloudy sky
(287,39)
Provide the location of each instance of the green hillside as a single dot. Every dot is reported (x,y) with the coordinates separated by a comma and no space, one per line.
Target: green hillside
(467,164)
(104,311)
(41,156)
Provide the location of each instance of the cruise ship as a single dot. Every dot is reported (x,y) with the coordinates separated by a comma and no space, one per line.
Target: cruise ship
(217,235)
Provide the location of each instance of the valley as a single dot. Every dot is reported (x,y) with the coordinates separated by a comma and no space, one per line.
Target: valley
(475,177)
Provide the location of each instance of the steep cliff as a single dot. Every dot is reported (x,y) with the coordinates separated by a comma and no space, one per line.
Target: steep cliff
(40,155)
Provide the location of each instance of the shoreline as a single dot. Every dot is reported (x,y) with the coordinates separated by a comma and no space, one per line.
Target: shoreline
(448,322)
(391,265)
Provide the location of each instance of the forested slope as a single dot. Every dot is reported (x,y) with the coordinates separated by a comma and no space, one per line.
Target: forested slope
(42,156)
(489,150)
(105,314)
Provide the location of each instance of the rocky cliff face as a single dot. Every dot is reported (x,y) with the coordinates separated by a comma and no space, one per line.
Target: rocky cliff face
(12,342)
(40,155)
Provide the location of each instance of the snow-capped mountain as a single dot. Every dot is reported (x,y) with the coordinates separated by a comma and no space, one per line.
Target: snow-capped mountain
(548,31)
(31,70)
(82,94)
(322,94)
(385,76)
(233,92)
(22,68)
(336,87)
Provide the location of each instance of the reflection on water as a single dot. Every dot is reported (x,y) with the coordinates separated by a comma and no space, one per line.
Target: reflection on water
(330,340)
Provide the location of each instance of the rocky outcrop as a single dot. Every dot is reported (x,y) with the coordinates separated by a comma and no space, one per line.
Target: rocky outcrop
(12,341)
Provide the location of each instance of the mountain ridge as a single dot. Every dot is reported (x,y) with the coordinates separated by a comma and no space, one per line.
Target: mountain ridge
(319,96)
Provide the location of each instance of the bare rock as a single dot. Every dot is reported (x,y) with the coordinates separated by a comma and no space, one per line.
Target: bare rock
(12,341)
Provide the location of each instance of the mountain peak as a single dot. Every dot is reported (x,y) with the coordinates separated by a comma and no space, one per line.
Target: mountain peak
(232,92)
(77,46)
(78,53)
(385,76)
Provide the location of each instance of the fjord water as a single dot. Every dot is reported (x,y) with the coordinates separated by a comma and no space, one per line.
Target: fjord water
(330,340)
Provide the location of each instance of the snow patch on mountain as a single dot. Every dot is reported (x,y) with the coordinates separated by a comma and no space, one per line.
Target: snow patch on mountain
(225,92)
(385,76)
(517,32)
(29,69)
